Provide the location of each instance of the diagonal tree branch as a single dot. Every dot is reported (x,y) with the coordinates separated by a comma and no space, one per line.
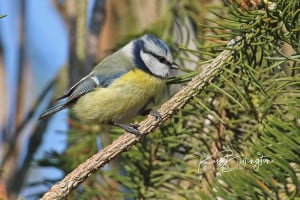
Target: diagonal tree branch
(62,189)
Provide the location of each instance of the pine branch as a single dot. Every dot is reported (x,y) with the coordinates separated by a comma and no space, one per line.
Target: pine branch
(63,188)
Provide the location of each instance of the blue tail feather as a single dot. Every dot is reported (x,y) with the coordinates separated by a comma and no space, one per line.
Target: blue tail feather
(54,109)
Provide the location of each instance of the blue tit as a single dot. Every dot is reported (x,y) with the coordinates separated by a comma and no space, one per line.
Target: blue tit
(121,86)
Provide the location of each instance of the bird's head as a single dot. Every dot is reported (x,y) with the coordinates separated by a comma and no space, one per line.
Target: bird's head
(152,55)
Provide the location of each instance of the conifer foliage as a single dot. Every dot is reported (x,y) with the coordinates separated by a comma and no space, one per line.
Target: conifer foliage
(240,138)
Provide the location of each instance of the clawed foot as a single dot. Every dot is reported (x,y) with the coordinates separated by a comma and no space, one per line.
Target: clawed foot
(129,128)
(154,113)
(157,115)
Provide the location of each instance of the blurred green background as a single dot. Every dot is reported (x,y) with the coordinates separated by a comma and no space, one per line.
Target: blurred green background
(238,139)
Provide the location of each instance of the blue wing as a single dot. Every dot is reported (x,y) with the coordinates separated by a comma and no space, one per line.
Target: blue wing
(89,83)
(102,77)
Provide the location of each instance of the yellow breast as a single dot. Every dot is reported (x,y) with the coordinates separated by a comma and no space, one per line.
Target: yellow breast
(122,100)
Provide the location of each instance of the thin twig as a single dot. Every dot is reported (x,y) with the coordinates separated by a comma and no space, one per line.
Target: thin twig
(63,188)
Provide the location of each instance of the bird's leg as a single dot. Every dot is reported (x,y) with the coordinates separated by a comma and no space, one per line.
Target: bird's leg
(129,128)
(157,115)
(154,113)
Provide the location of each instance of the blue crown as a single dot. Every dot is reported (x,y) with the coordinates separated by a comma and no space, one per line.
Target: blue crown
(158,42)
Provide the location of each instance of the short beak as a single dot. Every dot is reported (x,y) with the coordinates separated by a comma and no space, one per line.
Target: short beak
(175,66)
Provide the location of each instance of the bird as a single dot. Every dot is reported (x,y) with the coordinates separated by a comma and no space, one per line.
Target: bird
(121,86)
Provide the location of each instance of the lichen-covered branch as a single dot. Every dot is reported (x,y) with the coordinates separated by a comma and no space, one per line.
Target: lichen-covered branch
(62,189)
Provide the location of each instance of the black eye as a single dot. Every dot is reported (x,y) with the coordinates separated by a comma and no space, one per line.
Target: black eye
(161,59)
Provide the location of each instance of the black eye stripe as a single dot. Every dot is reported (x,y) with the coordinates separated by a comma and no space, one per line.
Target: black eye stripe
(159,58)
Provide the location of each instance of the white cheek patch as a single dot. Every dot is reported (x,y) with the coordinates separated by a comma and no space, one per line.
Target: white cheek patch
(157,68)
